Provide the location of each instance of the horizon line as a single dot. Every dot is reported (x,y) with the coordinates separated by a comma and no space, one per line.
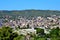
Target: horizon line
(26,9)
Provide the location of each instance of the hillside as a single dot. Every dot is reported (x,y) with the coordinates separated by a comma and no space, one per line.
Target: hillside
(28,13)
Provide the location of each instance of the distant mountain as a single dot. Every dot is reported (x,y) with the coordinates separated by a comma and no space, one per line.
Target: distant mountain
(28,13)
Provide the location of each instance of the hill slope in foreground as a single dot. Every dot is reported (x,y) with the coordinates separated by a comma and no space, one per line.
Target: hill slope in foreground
(28,13)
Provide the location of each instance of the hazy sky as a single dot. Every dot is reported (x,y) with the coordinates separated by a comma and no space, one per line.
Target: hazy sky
(29,4)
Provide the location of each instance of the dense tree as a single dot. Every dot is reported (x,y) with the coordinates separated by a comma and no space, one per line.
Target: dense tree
(21,37)
(6,33)
(54,32)
(39,31)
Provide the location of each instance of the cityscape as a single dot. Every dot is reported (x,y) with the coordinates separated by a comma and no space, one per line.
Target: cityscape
(29,20)
(39,27)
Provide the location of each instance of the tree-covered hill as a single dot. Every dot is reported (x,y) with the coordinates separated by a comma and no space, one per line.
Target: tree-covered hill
(28,13)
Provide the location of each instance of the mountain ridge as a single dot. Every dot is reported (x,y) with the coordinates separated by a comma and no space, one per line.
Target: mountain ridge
(29,13)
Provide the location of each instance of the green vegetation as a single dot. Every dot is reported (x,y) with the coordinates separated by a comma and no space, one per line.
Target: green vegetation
(54,34)
(6,33)
(39,30)
(19,38)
